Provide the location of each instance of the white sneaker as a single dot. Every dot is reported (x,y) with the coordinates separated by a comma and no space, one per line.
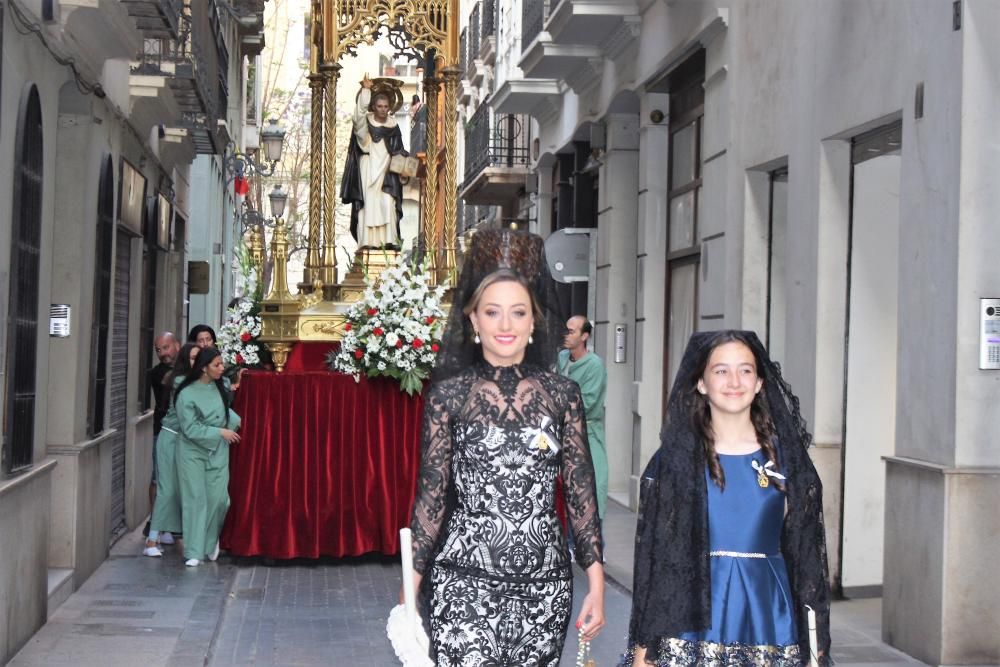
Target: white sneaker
(166,538)
(215,553)
(152,552)
(192,562)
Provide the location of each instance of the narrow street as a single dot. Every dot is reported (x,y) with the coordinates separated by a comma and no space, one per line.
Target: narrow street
(157,612)
(144,612)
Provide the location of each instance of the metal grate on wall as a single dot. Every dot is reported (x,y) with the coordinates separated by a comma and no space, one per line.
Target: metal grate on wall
(25,250)
(119,381)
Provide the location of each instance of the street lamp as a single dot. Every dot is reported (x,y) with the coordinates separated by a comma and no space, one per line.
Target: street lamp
(241,165)
(278,199)
(273,137)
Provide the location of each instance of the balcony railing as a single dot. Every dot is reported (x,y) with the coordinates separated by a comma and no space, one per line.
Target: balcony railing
(463,53)
(155,19)
(501,141)
(469,217)
(474,28)
(489,19)
(533,17)
(196,83)
(156,59)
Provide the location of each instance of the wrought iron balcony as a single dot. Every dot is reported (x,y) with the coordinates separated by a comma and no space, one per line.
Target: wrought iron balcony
(497,155)
(474,28)
(533,17)
(488,38)
(463,53)
(489,17)
(157,58)
(198,80)
(155,19)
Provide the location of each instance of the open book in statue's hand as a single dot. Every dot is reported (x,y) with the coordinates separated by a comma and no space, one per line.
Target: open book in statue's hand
(404,165)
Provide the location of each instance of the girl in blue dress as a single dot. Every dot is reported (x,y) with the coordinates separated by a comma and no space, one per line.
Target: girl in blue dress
(730,545)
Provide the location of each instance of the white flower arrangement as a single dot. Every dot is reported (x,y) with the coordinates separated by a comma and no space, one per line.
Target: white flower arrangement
(237,338)
(395,329)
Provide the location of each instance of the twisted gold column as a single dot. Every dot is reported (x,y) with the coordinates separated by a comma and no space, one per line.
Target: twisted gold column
(332,73)
(313,263)
(430,230)
(451,77)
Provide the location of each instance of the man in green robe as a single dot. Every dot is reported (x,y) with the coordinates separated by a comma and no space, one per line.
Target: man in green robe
(587,369)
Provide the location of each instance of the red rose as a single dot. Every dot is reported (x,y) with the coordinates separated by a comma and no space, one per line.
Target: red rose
(430,320)
(358,353)
(347,327)
(377,331)
(399,343)
(245,337)
(417,343)
(435,347)
(372,312)
(239,358)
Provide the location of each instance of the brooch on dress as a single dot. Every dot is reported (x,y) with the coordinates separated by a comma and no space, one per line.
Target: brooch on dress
(538,438)
(764,471)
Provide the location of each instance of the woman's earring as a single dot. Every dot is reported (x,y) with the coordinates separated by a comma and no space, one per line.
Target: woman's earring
(477,339)
(531,339)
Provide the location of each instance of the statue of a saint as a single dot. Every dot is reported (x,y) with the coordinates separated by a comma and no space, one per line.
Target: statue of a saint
(374,192)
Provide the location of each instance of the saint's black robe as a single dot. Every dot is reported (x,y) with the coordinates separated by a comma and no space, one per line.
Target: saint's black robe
(351,190)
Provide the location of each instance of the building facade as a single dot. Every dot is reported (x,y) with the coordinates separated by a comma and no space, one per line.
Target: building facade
(104,107)
(817,172)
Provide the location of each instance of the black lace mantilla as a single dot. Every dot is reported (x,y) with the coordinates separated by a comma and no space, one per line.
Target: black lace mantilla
(495,441)
(672,586)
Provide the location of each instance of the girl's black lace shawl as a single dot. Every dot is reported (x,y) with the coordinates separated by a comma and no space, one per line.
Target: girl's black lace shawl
(672,586)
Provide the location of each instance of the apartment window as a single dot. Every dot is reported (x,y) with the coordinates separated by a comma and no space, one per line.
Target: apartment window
(25,249)
(101,324)
(687,109)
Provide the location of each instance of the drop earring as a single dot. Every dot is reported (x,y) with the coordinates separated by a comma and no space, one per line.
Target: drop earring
(477,339)
(531,339)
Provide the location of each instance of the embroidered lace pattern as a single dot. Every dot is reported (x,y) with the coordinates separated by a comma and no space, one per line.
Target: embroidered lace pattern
(496,439)
(683,653)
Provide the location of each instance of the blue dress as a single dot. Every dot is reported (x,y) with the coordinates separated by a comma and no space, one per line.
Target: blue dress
(753,615)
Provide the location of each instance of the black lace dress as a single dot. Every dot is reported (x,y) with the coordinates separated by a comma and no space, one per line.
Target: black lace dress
(485,529)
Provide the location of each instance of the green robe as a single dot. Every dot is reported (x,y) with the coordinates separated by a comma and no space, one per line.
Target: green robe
(202,465)
(167,508)
(590,374)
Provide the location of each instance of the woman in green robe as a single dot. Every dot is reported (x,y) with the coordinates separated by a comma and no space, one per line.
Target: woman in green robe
(207,428)
(166,515)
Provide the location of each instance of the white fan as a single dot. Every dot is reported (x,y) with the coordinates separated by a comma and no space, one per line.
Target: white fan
(404,628)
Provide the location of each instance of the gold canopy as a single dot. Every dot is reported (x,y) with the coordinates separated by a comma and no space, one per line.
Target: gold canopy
(338,28)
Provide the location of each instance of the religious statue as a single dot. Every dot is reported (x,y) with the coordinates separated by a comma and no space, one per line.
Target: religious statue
(369,185)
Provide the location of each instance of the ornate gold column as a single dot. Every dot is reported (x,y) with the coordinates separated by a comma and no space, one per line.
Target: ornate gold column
(255,244)
(332,74)
(314,264)
(279,254)
(430,230)
(451,77)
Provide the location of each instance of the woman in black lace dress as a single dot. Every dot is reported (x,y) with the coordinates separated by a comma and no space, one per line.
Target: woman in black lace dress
(499,430)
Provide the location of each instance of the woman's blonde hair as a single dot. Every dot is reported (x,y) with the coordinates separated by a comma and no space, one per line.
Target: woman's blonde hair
(502,276)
